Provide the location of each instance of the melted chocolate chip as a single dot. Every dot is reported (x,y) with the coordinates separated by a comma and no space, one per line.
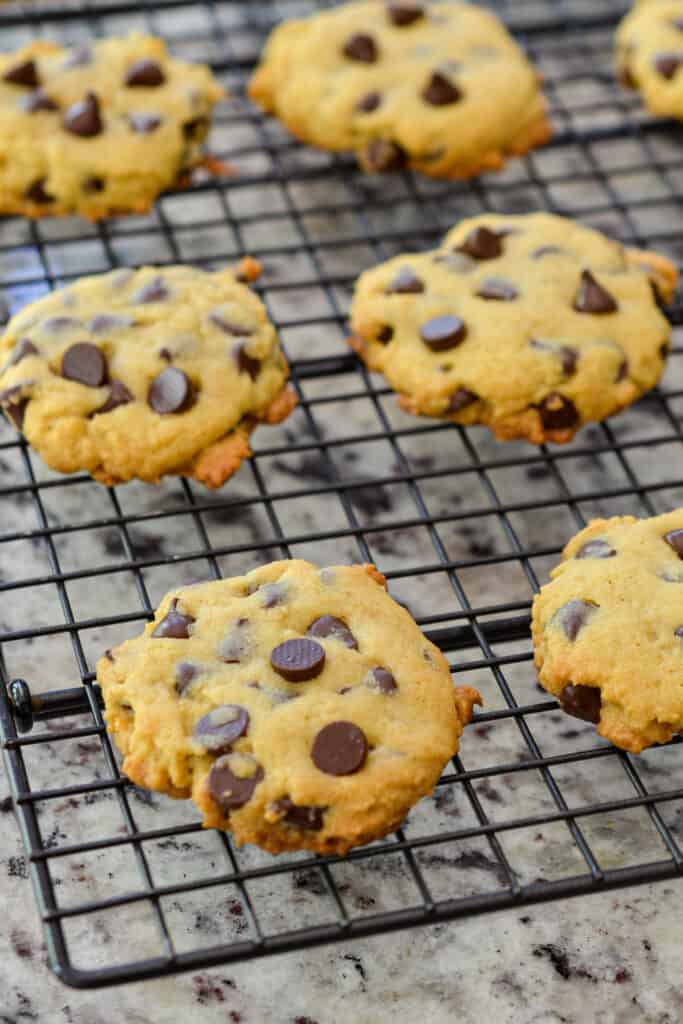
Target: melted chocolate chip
(174,625)
(83,118)
(14,405)
(144,124)
(37,193)
(567,355)
(385,335)
(384,155)
(244,362)
(298,660)
(405,282)
(308,818)
(592,297)
(145,73)
(361,47)
(340,748)
(22,349)
(440,92)
(482,244)
(581,702)
(107,323)
(383,680)
(25,73)
(329,626)
(85,364)
(185,675)
(596,548)
(166,355)
(170,392)
(233,779)
(406,13)
(460,399)
(573,616)
(558,412)
(368,103)
(675,540)
(118,395)
(154,291)
(38,101)
(443,332)
(667,64)
(234,647)
(497,289)
(218,730)
(546,250)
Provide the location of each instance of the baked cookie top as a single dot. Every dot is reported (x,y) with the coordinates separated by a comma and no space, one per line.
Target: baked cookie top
(530,324)
(301,708)
(650,55)
(99,128)
(608,629)
(441,87)
(142,373)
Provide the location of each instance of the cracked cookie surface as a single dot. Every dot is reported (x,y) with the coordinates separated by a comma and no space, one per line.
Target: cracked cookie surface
(300,708)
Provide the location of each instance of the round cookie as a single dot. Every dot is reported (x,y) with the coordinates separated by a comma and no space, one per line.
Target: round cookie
(532,325)
(439,87)
(650,55)
(144,373)
(608,629)
(300,708)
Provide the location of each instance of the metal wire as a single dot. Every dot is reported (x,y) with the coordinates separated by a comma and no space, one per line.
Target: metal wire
(535,807)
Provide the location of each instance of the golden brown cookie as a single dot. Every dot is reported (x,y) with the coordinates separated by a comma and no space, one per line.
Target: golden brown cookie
(650,55)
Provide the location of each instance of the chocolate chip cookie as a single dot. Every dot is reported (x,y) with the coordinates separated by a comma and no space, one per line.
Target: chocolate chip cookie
(300,708)
(439,87)
(98,129)
(650,55)
(532,325)
(608,630)
(144,373)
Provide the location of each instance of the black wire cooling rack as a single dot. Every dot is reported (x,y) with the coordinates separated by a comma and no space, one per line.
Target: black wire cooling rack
(535,807)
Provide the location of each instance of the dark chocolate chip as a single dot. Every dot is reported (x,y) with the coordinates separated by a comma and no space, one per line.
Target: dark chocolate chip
(233,779)
(93,184)
(622,372)
(385,155)
(308,818)
(596,548)
(195,129)
(83,118)
(22,349)
(170,392)
(144,124)
(185,675)
(482,244)
(25,73)
(37,193)
(146,73)
(244,362)
(402,14)
(37,101)
(174,625)
(329,626)
(14,405)
(558,412)
(361,47)
(340,748)
(592,297)
(546,250)
(109,655)
(573,616)
(273,594)
(106,323)
(460,399)
(675,540)
(230,327)
(567,355)
(440,92)
(443,332)
(369,103)
(385,335)
(581,702)
(218,730)
(497,289)
(383,680)
(166,355)
(154,291)
(118,395)
(667,64)
(298,660)
(85,364)
(405,282)
(234,647)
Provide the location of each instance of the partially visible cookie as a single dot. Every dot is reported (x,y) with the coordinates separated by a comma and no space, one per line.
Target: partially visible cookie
(98,129)
(650,55)
(532,325)
(144,373)
(608,629)
(439,87)
(300,708)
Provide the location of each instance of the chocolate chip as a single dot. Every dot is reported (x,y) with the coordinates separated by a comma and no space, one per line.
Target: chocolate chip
(234,647)
(14,405)
(93,184)
(385,335)
(626,77)
(308,818)
(667,64)
(83,118)
(107,323)
(170,392)
(185,675)
(218,730)
(233,779)
(383,680)
(567,355)
(458,261)
(230,327)
(166,355)
(37,193)
(460,399)
(622,372)
(675,540)
(340,748)
(443,332)
(329,626)
(37,101)
(174,625)
(244,362)
(546,250)
(85,364)
(573,616)
(558,412)
(405,282)
(146,73)
(440,92)
(384,155)
(592,297)
(298,660)
(59,325)
(154,291)
(118,395)
(195,129)
(368,103)
(402,14)
(497,289)
(361,47)
(25,73)
(596,548)
(79,58)
(22,349)
(482,244)
(272,594)
(144,124)
(582,702)
(109,655)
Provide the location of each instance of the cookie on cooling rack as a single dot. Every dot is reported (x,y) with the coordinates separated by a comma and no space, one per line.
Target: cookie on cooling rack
(532,325)
(300,708)
(650,55)
(608,629)
(98,129)
(439,87)
(144,373)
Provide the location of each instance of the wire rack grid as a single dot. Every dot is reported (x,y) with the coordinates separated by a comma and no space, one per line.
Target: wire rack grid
(535,807)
